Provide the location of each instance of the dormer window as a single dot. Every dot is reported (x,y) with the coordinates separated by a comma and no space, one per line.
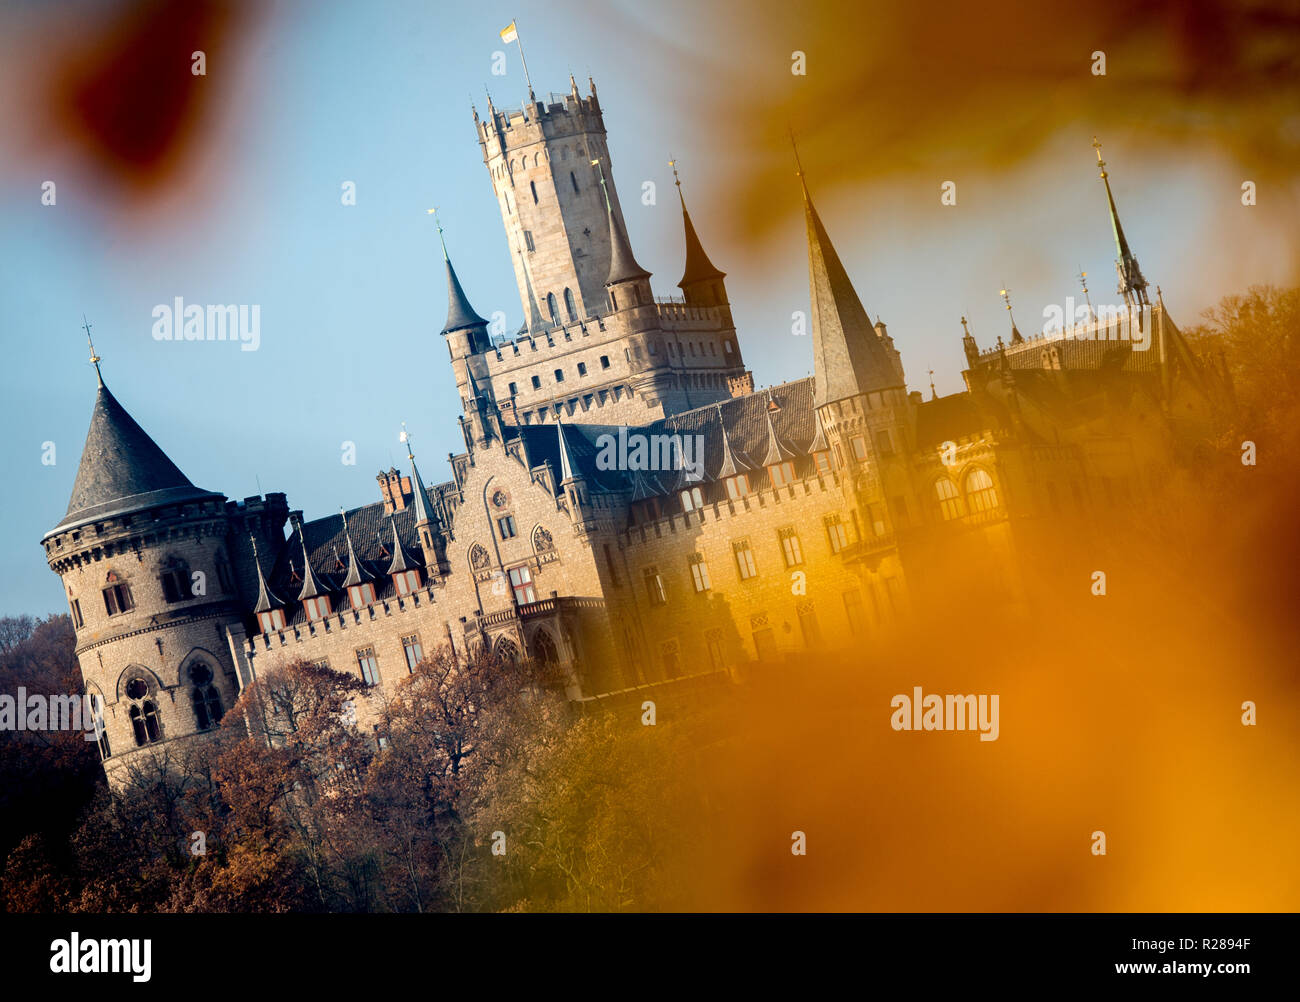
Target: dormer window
(823,461)
(692,499)
(406,582)
(737,486)
(317,608)
(271,622)
(361,595)
(782,473)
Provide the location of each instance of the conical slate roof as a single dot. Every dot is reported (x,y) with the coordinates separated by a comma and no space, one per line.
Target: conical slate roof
(622,264)
(459,313)
(122,469)
(698,266)
(848,357)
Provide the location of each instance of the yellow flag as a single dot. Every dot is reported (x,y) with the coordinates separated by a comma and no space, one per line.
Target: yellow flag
(509,33)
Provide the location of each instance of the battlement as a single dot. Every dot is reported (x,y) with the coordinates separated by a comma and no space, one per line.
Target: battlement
(572,115)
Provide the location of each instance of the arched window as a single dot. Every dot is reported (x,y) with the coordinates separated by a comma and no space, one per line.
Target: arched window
(575,182)
(544,648)
(143,713)
(949,498)
(506,651)
(206,699)
(981,495)
(533,186)
(552,308)
(569,304)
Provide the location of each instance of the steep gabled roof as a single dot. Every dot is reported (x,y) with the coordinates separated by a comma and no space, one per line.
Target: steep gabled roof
(622,263)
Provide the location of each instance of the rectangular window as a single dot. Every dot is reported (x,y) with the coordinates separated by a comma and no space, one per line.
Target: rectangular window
(782,474)
(521,580)
(413,651)
(823,460)
(75,605)
(361,595)
(877,517)
(506,527)
(604,361)
(528,241)
(381,742)
(369,666)
(884,443)
(812,633)
(765,643)
(317,608)
(700,572)
(859,445)
(117,598)
(224,577)
(744,559)
(737,486)
(582,368)
(790,547)
(537,382)
(406,582)
(272,621)
(514,389)
(559,375)
(654,587)
(837,533)
(899,505)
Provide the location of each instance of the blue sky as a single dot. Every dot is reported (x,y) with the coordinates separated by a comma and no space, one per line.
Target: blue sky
(352,298)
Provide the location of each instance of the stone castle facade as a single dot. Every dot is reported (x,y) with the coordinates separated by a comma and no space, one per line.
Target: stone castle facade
(821,509)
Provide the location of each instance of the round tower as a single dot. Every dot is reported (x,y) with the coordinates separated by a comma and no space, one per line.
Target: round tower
(146,567)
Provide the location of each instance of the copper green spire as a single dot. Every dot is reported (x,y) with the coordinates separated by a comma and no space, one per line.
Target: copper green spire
(1132,286)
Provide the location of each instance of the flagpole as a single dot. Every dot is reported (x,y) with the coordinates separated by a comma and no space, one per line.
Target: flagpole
(520,42)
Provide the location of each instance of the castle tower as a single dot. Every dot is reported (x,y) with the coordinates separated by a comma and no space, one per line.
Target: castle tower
(145,559)
(858,389)
(540,162)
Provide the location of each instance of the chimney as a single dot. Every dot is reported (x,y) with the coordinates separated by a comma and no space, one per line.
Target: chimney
(394,490)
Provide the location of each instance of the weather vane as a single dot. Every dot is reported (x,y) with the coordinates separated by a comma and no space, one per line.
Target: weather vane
(438,223)
(94,359)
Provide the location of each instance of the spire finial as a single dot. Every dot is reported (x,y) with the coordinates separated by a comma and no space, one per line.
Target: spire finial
(934,395)
(601,170)
(1083,280)
(405,437)
(1101,164)
(438,223)
(94,359)
(964,329)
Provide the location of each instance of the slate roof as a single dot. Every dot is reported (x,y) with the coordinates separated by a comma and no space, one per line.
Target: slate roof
(698,266)
(123,470)
(459,313)
(622,263)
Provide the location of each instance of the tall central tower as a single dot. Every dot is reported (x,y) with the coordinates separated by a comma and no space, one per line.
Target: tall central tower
(540,161)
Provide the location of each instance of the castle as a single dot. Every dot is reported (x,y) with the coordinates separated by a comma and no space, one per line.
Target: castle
(811,519)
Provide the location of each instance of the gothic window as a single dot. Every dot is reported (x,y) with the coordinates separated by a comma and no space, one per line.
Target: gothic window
(143,713)
(552,308)
(949,499)
(413,651)
(837,533)
(117,595)
(569,304)
(204,696)
(699,572)
(812,634)
(791,548)
(981,495)
(544,648)
(369,666)
(521,582)
(744,559)
(533,186)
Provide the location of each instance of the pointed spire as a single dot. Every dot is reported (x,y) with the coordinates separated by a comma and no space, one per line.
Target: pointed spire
(733,461)
(848,357)
(357,572)
(535,321)
(266,598)
(1132,286)
(819,444)
(460,315)
(567,465)
(777,451)
(645,486)
(94,359)
(421,502)
(402,561)
(622,264)
(698,266)
(311,586)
